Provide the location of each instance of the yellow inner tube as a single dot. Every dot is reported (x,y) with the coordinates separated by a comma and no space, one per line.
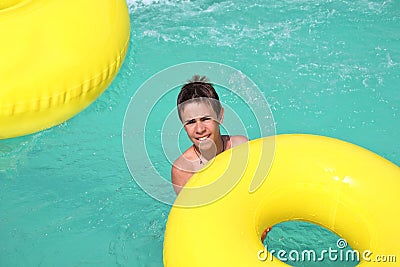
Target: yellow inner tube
(57,57)
(340,186)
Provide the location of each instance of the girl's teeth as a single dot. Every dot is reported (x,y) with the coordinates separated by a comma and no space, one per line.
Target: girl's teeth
(203,138)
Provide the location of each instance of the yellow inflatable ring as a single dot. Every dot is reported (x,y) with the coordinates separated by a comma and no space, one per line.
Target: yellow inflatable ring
(338,185)
(57,57)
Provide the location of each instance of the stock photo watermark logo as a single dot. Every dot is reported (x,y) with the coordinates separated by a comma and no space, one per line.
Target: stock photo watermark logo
(336,254)
(153,133)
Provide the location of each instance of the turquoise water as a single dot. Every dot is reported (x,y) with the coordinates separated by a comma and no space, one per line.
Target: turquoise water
(330,68)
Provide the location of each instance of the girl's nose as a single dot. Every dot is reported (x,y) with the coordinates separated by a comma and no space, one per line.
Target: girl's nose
(200,127)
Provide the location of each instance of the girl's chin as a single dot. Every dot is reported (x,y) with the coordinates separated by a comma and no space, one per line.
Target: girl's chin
(206,144)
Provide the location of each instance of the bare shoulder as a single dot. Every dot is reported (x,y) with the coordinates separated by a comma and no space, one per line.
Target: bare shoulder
(182,170)
(238,139)
(179,178)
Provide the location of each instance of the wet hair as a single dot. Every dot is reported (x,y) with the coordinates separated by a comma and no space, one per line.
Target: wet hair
(199,88)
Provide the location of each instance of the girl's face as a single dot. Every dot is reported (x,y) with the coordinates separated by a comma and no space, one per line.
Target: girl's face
(201,123)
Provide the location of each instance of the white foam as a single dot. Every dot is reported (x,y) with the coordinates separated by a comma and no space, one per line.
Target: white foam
(135,4)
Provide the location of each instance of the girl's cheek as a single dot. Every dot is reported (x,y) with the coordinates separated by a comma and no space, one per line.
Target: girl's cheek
(188,128)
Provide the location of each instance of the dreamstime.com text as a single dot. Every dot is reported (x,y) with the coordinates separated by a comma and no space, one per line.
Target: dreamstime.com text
(330,254)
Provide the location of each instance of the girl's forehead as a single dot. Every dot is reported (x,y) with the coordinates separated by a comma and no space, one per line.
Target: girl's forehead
(192,110)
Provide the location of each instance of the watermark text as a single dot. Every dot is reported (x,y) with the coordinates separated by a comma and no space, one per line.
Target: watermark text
(331,254)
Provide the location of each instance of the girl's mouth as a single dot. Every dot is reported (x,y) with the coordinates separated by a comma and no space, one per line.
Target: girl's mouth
(203,138)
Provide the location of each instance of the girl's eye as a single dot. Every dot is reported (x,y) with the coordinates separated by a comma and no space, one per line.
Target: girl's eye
(190,122)
(205,119)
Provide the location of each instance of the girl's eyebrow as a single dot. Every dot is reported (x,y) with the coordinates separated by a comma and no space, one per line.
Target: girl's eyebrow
(199,117)
(205,117)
